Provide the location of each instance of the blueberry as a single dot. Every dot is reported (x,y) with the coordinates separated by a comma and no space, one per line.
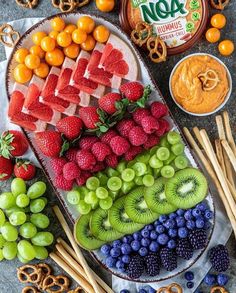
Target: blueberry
(162,218)
(154,247)
(149,289)
(170,224)
(125,248)
(110,262)
(162,239)
(150,227)
(145,242)
(222,279)
(135,245)
(105,249)
(190,224)
(142,291)
(180,221)
(126,259)
(202,206)
(172,233)
(172,216)
(143,251)
(208,214)
(188,215)
(120,265)
(180,212)
(124,291)
(137,236)
(156,223)
(196,213)
(115,252)
(160,229)
(207,226)
(183,233)
(189,276)
(153,235)
(190,285)
(127,239)
(145,233)
(210,280)
(171,244)
(116,243)
(200,223)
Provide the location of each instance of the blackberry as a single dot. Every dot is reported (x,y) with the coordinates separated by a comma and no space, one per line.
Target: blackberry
(184,249)
(219,258)
(136,267)
(152,264)
(168,259)
(198,238)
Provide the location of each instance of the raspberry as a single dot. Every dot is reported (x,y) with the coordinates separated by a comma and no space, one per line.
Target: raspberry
(98,167)
(119,145)
(152,141)
(81,180)
(158,110)
(124,127)
(71,155)
(71,171)
(112,160)
(139,114)
(106,138)
(85,160)
(149,124)
(137,136)
(164,126)
(62,183)
(86,142)
(57,165)
(132,153)
(101,151)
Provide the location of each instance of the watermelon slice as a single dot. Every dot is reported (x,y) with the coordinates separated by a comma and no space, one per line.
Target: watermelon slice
(100,75)
(119,59)
(66,91)
(33,107)
(15,111)
(48,97)
(83,83)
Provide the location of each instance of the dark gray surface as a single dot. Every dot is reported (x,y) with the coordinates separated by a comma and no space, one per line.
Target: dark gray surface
(9,11)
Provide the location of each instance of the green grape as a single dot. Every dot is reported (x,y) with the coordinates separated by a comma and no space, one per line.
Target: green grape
(113,194)
(156,172)
(102,178)
(83,191)
(170,159)
(101,192)
(106,203)
(178,148)
(121,167)
(163,154)
(155,163)
(92,183)
(7,200)
(153,150)
(94,206)
(112,172)
(40,220)
(21,259)
(148,180)
(128,175)
(2,241)
(43,239)
(173,137)
(138,180)
(36,190)
(149,170)
(18,186)
(17,218)
(91,198)
(181,162)
(167,172)
(22,200)
(127,186)
(8,212)
(83,208)
(9,250)
(45,200)
(2,218)
(9,232)
(114,183)
(164,142)
(1,255)
(28,230)
(139,169)
(26,249)
(130,164)
(40,252)
(143,158)
(73,197)
(37,205)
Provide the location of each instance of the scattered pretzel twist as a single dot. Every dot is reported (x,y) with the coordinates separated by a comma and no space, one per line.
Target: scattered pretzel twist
(219,4)
(141,33)
(30,289)
(8,37)
(172,288)
(55,284)
(218,289)
(29,274)
(27,3)
(209,79)
(69,5)
(157,49)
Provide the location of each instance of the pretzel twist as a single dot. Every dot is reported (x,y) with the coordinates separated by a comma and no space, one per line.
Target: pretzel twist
(157,49)
(55,284)
(27,3)
(218,289)
(172,288)
(8,37)
(64,5)
(209,79)
(141,33)
(219,4)
(76,290)
(30,289)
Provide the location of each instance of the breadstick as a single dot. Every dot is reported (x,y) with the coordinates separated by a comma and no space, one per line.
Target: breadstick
(229,132)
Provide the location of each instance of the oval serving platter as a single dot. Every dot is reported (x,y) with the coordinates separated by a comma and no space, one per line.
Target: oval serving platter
(146,78)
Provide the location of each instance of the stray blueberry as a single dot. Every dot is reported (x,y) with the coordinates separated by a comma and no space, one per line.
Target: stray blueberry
(124,291)
(210,280)
(189,276)
(222,279)
(190,285)
(142,291)
(149,289)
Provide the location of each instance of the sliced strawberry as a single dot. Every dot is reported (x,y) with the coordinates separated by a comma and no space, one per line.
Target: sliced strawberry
(64,78)
(16,103)
(50,85)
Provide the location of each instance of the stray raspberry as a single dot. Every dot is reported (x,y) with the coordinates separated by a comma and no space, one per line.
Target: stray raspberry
(119,145)
(100,166)
(139,114)
(137,136)
(152,141)
(132,153)
(86,142)
(101,150)
(164,126)
(106,138)
(85,160)
(112,160)
(71,154)
(57,165)
(71,171)
(81,180)
(158,110)
(124,127)
(62,183)
(149,124)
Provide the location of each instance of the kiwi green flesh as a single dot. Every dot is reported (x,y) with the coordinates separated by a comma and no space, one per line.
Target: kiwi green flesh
(83,235)
(137,209)
(156,199)
(101,228)
(187,188)
(120,221)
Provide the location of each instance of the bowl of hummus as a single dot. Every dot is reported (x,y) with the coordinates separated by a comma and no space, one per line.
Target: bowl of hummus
(200,84)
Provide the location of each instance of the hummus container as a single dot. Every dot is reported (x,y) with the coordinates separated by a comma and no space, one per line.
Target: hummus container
(180,23)
(216,96)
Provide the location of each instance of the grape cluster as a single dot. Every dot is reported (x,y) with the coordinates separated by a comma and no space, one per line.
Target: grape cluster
(22,222)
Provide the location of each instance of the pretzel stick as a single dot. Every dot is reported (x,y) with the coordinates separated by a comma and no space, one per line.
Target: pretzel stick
(220,156)
(71,252)
(86,286)
(229,132)
(77,250)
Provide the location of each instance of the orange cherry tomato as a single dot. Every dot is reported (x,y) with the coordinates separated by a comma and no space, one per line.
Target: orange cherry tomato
(37,37)
(32,61)
(37,50)
(72,51)
(55,57)
(22,74)
(213,35)
(21,54)
(53,34)
(64,39)
(218,20)
(86,23)
(226,47)
(42,71)
(48,44)
(105,5)
(79,36)
(58,24)
(70,28)
(101,34)
(89,44)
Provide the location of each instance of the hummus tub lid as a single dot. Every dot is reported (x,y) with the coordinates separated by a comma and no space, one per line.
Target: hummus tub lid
(180,23)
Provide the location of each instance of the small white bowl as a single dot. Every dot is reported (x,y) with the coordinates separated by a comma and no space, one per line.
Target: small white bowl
(229,79)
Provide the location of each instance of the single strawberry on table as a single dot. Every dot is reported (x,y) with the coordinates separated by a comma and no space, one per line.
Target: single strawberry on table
(24,170)
(13,143)
(49,142)
(6,168)
(70,126)
(108,102)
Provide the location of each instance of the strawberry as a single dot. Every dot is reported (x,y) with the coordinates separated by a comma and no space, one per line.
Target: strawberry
(6,168)
(132,91)
(70,126)
(49,142)
(24,170)
(108,102)
(13,143)
(89,116)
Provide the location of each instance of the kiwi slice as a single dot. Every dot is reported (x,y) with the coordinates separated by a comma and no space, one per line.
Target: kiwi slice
(156,199)
(120,221)
(187,188)
(83,235)
(101,228)
(137,209)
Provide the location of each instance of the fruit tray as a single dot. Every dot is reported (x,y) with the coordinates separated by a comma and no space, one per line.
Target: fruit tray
(146,79)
